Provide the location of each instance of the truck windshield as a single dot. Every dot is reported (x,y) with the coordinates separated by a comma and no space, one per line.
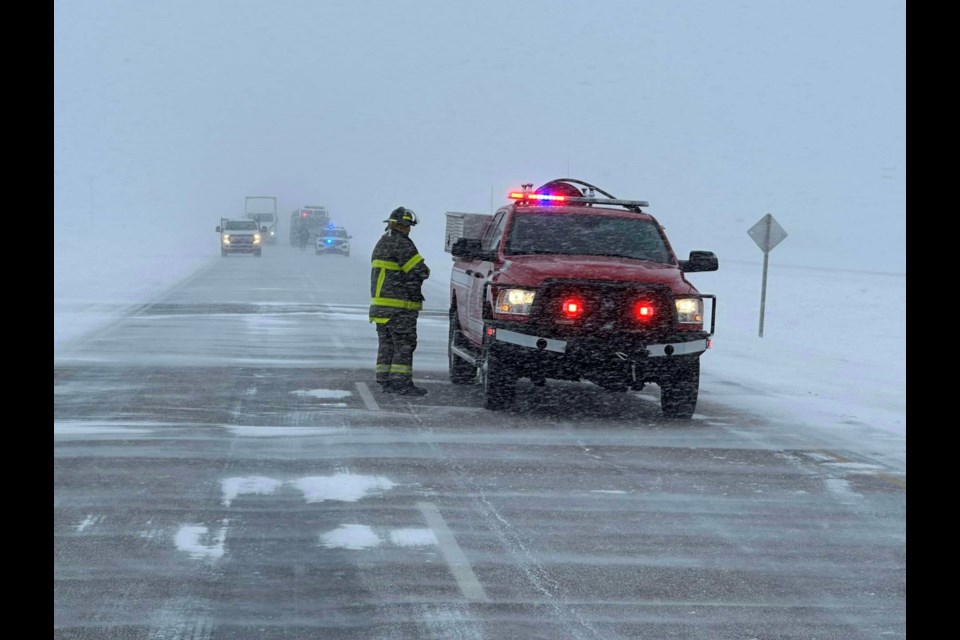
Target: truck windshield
(587,235)
(335,233)
(240,225)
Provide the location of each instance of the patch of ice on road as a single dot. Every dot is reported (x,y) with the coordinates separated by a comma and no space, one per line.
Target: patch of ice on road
(79,427)
(261,323)
(344,487)
(232,487)
(350,536)
(268,432)
(854,466)
(841,488)
(323,393)
(191,538)
(413,537)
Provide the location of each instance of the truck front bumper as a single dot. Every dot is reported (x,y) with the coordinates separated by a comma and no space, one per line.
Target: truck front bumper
(630,358)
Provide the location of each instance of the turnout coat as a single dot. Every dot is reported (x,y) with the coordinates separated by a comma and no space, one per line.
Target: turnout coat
(397,272)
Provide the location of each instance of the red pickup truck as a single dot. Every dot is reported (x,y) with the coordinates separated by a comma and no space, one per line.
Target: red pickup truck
(570,283)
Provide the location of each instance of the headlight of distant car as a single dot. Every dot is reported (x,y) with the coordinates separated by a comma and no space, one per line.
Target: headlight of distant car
(689,311)
(256,238)
(515,301)
(226,238)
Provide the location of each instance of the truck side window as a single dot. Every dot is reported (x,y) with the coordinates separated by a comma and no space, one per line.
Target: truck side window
(491,239)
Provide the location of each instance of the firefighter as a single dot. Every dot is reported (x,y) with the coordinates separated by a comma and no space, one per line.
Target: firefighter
(396,276)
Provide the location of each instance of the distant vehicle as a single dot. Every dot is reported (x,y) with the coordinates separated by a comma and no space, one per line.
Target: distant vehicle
(567,284)
(263,210)
(240,236)
(315,219)
(333,240)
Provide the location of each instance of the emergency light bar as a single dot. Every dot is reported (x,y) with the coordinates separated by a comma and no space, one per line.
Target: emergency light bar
(517,195)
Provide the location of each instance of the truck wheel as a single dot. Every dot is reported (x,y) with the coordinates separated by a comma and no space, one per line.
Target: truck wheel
(258,253)
(499,382)
(679,391)
(461,371)
(223,252)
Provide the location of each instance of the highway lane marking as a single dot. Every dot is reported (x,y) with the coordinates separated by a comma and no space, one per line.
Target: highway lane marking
(459,566)
(368,401)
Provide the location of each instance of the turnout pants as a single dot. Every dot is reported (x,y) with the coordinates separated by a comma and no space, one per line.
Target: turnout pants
(398,340)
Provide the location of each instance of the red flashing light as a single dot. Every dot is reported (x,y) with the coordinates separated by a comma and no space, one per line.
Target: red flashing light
(643,311)
(572,308)
(516,195)
(304,213)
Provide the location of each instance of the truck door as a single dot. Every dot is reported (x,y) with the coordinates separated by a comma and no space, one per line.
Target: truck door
(480,270)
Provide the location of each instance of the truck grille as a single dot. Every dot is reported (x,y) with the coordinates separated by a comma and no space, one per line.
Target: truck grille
(607,307)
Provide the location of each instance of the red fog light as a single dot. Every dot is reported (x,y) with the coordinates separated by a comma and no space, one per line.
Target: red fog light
(572,308)
(643,311)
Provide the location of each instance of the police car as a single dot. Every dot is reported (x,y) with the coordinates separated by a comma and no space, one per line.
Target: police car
(333,239)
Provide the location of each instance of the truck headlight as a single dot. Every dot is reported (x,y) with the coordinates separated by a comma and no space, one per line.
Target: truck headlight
(689,311)
(515,301)
(256,238)
(226,238)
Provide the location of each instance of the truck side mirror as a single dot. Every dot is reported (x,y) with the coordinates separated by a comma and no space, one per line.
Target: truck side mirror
(466,248)
(218,229)
(700,261)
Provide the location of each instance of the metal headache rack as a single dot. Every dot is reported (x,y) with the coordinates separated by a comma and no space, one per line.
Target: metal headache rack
(565,190)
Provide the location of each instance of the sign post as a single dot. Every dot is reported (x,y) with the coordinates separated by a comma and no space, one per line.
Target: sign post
(767,233)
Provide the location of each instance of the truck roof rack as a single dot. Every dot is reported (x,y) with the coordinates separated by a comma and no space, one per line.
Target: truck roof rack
(562,190)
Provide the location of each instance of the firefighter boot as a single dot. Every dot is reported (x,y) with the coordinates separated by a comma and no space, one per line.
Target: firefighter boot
(405,388)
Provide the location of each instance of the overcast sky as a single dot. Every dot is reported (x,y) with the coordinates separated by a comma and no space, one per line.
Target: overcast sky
(715,112)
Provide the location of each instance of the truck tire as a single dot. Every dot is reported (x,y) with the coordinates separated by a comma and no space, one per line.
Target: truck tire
(461,371)
(679,391)
(258,253)
(499,382)
(223,253)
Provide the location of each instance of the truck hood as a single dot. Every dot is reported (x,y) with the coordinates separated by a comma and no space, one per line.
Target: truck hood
(532,271)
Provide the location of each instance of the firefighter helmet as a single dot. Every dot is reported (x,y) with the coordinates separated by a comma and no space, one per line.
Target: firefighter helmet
(402,215)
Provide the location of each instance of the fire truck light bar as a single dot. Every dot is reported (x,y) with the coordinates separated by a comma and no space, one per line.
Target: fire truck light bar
(517,195)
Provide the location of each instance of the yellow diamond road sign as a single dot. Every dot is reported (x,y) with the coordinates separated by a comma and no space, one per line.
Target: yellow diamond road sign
(767,233)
